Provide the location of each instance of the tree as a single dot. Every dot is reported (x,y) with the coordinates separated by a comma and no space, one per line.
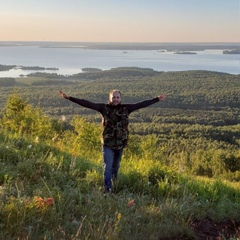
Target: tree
(21,117)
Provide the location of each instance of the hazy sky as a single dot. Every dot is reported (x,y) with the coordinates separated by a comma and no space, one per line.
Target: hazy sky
(120,20)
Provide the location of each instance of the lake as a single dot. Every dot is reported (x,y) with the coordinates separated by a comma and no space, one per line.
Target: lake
(70,60)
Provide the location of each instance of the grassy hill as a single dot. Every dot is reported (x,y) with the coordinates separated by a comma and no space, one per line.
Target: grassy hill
(181,169)
(52,189)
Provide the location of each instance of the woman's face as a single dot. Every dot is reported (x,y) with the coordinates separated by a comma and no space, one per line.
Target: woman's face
(115,98)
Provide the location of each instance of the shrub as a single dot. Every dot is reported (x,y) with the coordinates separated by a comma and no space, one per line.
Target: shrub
(20,117)
(85,140)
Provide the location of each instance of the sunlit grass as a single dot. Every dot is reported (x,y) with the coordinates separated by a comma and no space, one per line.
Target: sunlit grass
(51,185)
(49,193)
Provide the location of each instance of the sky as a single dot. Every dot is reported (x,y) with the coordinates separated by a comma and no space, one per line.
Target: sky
(120,20)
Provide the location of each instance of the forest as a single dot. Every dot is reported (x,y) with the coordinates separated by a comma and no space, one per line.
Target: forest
(181,167)
(201,113)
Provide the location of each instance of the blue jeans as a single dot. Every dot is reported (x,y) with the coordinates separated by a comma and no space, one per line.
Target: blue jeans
(112,159)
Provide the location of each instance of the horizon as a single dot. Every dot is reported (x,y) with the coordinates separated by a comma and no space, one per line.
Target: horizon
(60,41)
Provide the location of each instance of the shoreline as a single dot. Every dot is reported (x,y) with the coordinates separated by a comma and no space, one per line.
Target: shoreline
(69,58)
(55,71)
(182,46)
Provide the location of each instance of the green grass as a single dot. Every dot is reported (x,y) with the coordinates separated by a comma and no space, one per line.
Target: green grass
(151,201)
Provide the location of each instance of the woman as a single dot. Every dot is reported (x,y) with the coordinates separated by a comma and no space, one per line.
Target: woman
(115,129)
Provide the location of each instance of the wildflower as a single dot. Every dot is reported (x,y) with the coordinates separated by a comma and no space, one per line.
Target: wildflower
(39,202)
(131,203)
(119,216)
(49,201)
(36,140)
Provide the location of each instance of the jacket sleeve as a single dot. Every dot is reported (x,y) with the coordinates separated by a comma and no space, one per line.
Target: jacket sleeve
(85,103)
(143,104)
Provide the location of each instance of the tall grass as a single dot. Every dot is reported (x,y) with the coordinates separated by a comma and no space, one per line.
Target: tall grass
(52,188)
(47,193)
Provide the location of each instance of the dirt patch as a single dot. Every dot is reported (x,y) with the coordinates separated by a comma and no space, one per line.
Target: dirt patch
(209,230)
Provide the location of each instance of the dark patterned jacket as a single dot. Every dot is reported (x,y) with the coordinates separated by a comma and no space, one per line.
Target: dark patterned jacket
(114,119)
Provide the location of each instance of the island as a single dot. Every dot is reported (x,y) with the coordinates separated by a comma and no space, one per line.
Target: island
(185,53)
(6,67)
(37,68)
(91,69)
(234,51)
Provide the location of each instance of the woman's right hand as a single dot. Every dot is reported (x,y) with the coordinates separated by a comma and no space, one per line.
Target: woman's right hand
(63,95)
